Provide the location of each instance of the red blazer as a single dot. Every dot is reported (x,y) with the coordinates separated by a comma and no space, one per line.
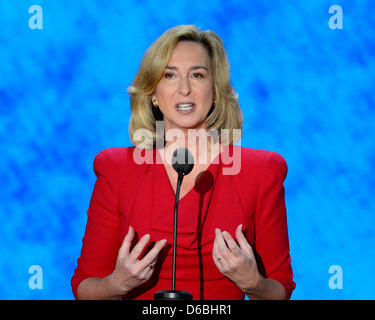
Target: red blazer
(241,186)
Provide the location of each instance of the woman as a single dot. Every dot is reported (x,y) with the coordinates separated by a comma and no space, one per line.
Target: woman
(232,230)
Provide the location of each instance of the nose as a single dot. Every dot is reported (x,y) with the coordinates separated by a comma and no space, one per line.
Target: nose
(184,87)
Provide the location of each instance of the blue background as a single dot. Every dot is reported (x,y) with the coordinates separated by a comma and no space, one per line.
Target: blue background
(307,92)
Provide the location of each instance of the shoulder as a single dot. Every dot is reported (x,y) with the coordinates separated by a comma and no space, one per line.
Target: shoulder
(261,156)
(114,155)
(260,160)
(113,159)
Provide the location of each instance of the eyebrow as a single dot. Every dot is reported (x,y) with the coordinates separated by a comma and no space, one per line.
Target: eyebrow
(192,68)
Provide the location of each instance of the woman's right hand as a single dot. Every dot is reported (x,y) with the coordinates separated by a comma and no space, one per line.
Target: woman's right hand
(130,272)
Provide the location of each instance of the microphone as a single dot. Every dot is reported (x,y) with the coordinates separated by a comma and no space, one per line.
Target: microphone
(182,161)
(183,164)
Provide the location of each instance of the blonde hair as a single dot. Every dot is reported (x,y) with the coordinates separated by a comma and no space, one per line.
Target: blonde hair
(226,113)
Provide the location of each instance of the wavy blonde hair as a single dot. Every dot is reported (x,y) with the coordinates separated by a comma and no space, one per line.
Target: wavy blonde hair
(225,114)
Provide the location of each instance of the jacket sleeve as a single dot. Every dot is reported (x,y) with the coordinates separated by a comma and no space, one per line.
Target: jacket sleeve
(271,230)
(101,240)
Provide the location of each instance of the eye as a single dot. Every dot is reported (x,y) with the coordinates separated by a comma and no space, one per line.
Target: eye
(168,75)
(197,75)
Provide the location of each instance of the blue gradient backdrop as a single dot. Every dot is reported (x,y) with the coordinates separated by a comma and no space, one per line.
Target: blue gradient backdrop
(307,92)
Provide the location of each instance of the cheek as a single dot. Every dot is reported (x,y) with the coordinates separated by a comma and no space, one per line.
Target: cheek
(163,93)
(207,96)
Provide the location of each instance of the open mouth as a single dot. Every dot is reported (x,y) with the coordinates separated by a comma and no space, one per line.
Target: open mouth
(185,106)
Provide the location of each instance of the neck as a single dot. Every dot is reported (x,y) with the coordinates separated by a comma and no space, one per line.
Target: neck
(199,142)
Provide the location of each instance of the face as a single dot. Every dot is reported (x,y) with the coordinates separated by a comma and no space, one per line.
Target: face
(185,92)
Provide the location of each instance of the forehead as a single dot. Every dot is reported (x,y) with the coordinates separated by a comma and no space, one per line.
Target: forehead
(190,52)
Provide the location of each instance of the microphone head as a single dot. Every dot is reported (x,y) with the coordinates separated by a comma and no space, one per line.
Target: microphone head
(182,161)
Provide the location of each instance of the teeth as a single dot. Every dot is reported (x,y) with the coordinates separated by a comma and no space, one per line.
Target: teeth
(185,106)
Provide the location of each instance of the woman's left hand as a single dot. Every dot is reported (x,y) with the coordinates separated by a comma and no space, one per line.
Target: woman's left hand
(236,262)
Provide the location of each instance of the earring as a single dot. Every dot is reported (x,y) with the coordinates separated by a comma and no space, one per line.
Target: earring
(154,104)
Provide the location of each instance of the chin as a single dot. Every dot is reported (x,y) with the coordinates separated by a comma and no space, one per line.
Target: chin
(185,122)
(190,125)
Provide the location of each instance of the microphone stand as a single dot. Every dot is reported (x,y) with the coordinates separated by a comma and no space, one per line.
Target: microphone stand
(174,294)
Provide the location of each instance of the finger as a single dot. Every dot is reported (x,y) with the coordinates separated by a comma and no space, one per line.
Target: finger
(242,241)
(138,248)
(125,247)
(153,254)
(146,274)
(219,259)
(221,245)
(148,271)
(216,254)
(232,245)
